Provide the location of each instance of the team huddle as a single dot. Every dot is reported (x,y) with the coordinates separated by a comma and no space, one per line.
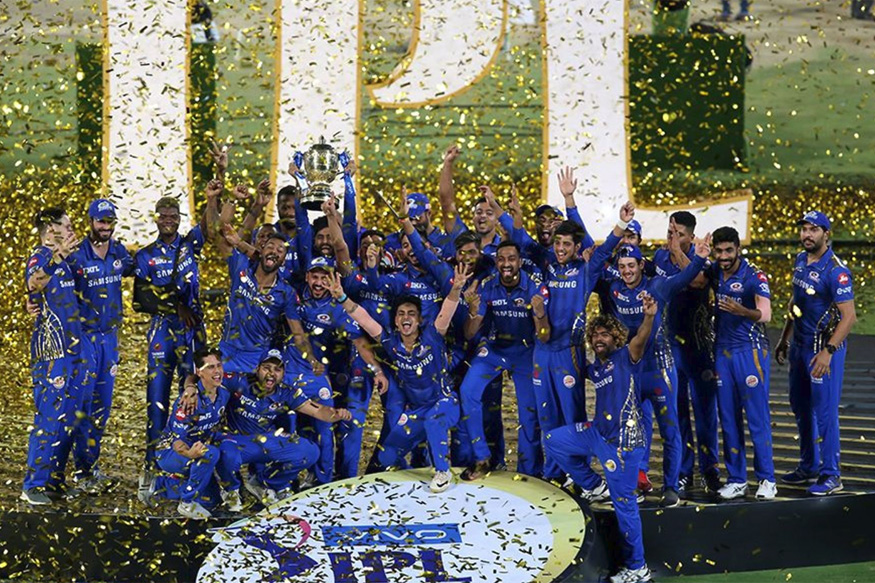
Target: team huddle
(323,315)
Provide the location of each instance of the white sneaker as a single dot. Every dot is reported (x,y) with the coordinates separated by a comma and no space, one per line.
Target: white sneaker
(641,575)
(270,497)
(193,510)
(597,494)
(232,501)
(253,486)
(146,488)
(441,482)
(767,490)
(308,481)
(284,493)
(732,491)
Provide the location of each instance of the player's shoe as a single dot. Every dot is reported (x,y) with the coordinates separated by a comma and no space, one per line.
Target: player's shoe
(35,497)
(254,487)
(642,575)
(826,485)
(597,494)
(683,484)
(478,470)
(441,482)
(798,478)
(712,483)
(193,510)
(669,499)
(270,497)
(307,482)
(732,491)
(644,484)
(232,501)
(146,488)
(767,490)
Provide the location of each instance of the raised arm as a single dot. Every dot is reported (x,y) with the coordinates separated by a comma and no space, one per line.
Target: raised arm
(256,208)
(475,315)
(341,251)
(446,189)
(350,210)
(451,302)
(639,342)
(669,286)
(356,312)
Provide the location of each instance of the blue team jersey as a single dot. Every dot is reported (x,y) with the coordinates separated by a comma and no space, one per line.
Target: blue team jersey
(252,316)
(444,242)
(817,288)
(292,266)
(688,317)
(408,281)
(566,293)
(201,425)
(629,307)
(154,263)
(618,416)
(423,374)
(536,257)
(356,284)
(507,313)
(250,412)
(99,284)
(58,327)
(328,326)
(743,286)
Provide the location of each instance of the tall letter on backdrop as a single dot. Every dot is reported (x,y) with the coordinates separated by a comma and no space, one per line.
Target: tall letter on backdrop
(146,152)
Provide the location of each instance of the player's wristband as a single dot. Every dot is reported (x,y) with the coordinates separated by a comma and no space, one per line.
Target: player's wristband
(342,299)
(403,218)
(623,225)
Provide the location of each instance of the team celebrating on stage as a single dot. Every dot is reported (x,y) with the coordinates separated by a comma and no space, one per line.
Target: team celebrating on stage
(323,315)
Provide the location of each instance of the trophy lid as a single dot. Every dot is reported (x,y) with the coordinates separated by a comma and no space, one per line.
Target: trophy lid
(321,145)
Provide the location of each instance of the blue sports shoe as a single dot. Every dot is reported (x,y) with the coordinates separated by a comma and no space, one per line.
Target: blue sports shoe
(797,477)
(826,485)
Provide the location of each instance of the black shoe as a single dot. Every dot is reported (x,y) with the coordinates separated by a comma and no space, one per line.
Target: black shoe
(669,499)
(799,478)
(712,483)
(683,484)
(477,471)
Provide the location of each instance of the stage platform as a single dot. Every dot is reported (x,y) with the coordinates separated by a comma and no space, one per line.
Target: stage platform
(389,528)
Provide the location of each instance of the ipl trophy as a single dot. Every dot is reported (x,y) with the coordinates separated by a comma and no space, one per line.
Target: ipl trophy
(321,166)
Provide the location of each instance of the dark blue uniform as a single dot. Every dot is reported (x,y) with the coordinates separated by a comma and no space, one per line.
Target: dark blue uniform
(57,371)
(171,343)
(817,289)
(99,286)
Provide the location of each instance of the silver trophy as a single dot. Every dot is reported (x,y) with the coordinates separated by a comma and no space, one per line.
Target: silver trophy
(321,167)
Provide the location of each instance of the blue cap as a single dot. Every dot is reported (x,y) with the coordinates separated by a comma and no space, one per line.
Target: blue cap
(816,218)
(101,209)
(630,251)
(417,204)
(272,354)
(634,226)
(323,263)
(546,207)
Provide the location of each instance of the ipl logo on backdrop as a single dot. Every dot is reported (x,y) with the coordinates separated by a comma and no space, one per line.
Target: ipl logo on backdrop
(382,529)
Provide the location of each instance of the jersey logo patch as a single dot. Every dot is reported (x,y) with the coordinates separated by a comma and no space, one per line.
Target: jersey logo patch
(762,277)
(568,381)
(33,261)
(736,286)
(180,415)
(403,419)
(844,279)
(113,370)
(323,318)
(117,264)
(483,351)
(752,381)
(324,393)
(813,276)
(58,382)
(610,465)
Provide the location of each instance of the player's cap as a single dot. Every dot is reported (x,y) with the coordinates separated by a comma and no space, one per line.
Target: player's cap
(101,209)
(272,354)
(630,251)
(634,226)
(324,263)
(816,218)
(417,204)
(546,207)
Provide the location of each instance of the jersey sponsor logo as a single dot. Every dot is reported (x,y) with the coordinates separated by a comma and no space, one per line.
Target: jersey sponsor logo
(324,393)
(519,302)
(764,287)
(844,278)
(844,290)
(113,370)
(33,261)
(620,296)
(180,415)
(403,419)
(610,465)
(752,381)
(762,277)
(483,351)
(569,381)
(609,366)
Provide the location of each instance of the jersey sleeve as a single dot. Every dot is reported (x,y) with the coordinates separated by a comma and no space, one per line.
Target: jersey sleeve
(41,259)
(350,219)
(141,264)
(759,281)
(179,421)
(841,285)
(296,398)
(574,215)
(234,382)
(347,324)
(196,238)
(290,309)
(126,259)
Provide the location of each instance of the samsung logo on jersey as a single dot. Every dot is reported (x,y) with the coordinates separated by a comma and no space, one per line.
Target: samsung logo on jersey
(604,382)
(391,535)
(565,284)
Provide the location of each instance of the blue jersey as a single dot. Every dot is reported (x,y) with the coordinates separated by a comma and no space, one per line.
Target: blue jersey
(201,425)
(408,281)
(567,292)
(376,303)
(536,257)
(817,288)
(688,317)
(328,325)
(154,263)
(291,267)
(743,286)
(99,284)
(423,374)
(250,412)
(618,416)
(507,312)
(443,242)
(252,316)
(58,328)
(629,308)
